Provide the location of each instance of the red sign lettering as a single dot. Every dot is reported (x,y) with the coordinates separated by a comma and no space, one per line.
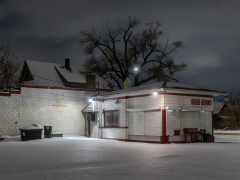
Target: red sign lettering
(203,102)
(195,101)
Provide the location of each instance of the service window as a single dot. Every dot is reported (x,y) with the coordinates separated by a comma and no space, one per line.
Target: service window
(111,118)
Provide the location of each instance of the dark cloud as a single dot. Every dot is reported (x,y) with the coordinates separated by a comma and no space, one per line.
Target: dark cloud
(15,23)
(49,30)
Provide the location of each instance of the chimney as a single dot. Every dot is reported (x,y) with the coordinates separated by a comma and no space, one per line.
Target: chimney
(90,81)
(67,64)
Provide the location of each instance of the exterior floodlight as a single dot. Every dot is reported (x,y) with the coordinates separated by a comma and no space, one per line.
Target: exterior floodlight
(90,100)
(154,93)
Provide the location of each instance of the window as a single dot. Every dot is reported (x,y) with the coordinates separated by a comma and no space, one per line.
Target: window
(111,118)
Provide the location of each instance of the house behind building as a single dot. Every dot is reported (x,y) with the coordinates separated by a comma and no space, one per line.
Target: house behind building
(49,94)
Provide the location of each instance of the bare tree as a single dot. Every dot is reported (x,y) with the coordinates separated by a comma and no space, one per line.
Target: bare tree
(120,53)
(229,116)
(233,106)
(8,68)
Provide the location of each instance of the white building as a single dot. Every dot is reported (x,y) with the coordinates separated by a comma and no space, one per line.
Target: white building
(50,94)
(57,95)
(163,112)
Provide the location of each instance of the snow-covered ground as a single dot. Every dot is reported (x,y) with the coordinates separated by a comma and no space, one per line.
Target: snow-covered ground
(73,158)
(227,132)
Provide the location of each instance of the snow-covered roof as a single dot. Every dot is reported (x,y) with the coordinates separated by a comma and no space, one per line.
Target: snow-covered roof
(53,74)
(165,86)
(44,74)
(73,76)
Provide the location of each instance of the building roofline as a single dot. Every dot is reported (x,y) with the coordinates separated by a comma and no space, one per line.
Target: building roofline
(148,89)
(64,88)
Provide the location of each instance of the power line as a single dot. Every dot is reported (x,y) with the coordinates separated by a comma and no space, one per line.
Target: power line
(47,79)
(44,78)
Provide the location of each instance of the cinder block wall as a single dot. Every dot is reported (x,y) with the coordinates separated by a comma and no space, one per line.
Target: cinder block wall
(9,114)
(61,109)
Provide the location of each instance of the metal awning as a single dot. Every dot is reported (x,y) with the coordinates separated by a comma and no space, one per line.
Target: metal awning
(143,109)
(91,107)
(190,109)
(196,109)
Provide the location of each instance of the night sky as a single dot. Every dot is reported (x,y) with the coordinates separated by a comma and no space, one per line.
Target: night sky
(49,30)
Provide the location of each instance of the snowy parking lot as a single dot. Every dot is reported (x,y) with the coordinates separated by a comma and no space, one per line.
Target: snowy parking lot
(72,158)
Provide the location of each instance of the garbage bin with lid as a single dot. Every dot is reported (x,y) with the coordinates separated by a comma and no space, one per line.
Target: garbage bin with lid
(206,137)
(31,132)
(47,131)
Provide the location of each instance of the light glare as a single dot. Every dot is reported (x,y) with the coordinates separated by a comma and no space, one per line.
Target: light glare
(155,93)
(90,100)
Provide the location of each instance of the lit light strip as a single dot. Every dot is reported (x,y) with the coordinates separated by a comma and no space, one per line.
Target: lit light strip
(143,109)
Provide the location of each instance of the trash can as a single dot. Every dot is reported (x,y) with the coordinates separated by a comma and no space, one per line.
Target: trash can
(47,131)
(31,133)
(206,138)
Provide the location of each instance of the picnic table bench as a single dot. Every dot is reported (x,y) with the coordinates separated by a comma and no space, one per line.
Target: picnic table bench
(194,134)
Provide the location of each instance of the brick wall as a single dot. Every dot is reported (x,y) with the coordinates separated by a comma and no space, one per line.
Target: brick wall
(56,107)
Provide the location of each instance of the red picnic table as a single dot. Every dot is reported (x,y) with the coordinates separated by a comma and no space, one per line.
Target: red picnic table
(194,134)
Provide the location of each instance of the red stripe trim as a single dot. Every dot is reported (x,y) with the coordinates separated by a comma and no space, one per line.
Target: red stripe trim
(142,95)
(5,94)
(164,138)
(127,97)
(178,142)
(64,88)
(15,92)
(161,93)
(164,129)
(180,94)
(139,141)
(116,139)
